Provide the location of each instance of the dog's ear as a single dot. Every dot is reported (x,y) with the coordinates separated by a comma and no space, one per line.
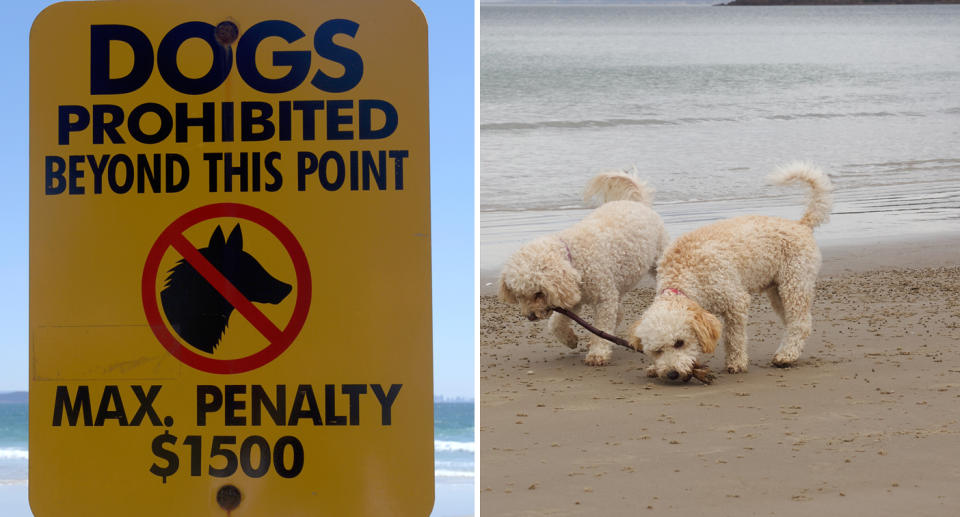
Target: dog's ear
(565,285)
(217,242)
(707,328)
(235,240)
(506,294)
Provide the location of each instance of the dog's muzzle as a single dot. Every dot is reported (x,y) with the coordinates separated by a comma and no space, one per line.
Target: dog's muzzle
(674,375)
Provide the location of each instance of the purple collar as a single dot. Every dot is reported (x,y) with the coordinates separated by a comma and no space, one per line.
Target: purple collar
(569,256)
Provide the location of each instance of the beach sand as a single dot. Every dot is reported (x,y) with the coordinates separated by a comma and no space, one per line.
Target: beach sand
(866,423)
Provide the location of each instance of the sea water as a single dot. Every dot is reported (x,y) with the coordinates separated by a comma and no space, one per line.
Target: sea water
(453,444)
(453,458)
(705,101)
(454,449)
(13,443)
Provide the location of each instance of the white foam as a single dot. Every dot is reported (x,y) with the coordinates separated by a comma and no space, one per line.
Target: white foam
(449,446)
(453,474)
(14,454)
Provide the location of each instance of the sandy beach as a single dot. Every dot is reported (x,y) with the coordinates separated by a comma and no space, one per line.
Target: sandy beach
(867,422)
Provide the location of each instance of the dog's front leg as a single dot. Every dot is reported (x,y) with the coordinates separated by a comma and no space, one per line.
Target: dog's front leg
(735,341)
(559,326)
(619,312)
(606,319)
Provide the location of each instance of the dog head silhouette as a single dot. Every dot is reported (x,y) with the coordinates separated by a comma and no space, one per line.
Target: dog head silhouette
(196,310)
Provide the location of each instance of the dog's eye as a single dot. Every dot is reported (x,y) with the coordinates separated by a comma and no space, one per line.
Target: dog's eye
(539,295)
(678,344)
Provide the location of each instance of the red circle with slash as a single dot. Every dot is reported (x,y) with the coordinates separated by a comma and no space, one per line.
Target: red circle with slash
(279,339)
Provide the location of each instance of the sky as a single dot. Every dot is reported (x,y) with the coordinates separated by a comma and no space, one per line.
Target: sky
(451,62)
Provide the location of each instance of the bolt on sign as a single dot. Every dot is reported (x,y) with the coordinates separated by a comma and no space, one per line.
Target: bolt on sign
(230,259)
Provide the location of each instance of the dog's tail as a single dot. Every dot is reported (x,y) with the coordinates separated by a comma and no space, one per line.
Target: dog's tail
(821,196)
(619,185)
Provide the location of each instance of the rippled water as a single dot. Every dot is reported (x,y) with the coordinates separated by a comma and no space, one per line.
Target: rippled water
(13,443)
(706,101)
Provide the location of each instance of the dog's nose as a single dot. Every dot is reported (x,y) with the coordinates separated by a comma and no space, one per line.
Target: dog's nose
(532,316)
(673,375)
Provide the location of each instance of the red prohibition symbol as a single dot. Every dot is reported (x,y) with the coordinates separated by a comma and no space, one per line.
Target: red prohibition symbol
(279,339)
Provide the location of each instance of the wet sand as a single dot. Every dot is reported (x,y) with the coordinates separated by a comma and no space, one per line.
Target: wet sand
(867,422)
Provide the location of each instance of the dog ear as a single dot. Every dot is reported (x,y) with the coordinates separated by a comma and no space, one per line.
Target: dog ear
(506,294)
(217,242)
(235,240)
(565,285)
(707,328)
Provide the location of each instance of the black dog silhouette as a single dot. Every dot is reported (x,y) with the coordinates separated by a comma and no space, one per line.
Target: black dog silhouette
(197,311)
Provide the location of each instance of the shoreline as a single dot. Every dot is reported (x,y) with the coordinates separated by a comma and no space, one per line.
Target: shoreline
(856,255)
(853,223)
(858,425)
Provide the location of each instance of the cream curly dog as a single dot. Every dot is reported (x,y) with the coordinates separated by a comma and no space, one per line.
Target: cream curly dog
(714,270)
(594,262)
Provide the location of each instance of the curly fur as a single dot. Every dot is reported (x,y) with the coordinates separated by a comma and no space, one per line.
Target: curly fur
(592,263)
(714,270)
(821,192)
(613,186)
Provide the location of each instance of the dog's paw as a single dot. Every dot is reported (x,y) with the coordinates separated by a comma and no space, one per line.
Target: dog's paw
(594,359)
(785,359)
(781,363)
(736,368)
(737,363)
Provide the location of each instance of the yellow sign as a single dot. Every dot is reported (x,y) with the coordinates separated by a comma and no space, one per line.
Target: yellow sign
(230,259)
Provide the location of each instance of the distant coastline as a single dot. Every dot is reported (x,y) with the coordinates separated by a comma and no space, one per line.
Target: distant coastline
(13,397)
(740,3)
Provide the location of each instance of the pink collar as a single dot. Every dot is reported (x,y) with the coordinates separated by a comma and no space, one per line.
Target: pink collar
(672,290)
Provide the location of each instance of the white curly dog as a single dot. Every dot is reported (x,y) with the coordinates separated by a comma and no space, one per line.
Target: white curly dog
(713,271)
(594,262)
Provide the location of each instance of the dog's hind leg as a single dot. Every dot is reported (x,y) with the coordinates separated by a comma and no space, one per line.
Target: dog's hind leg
(797,299)
(774,295)
(559,326)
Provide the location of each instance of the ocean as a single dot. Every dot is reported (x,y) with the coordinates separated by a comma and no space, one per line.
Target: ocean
(453,441)
(706,101)
(453,452)
(453,458)
(13,443)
